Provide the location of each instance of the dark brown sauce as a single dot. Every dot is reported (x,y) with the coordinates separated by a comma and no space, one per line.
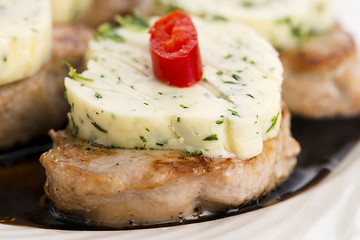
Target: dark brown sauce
(324,144)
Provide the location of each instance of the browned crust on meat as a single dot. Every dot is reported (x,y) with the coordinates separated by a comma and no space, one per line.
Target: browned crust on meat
(31,106)
(70,43)
(321,52)
(110,187)
(104,11)
(322,78)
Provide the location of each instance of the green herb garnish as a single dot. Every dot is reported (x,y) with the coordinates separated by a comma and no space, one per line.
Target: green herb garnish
(249,95)
(212,137)
(236,77)
(219,121)
(248,4)
(273,122)
(234,113)
(230,82)
(107,31)
(135,22)
(74,75)
(98,95)
(98,127)
(75,126)
(142,139)
(219,18)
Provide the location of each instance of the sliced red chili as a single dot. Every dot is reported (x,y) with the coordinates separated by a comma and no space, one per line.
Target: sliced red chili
(175,51)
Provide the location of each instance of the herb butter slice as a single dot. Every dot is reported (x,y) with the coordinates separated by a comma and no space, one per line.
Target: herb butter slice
(25,38)
(65,11)
(119,103)
(285,23)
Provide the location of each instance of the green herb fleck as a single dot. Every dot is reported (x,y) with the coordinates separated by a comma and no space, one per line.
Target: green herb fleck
(183,106)
(220,121)
(273,122)
(193,152)
(72,107)
(296,32)
(75,126)
(249,95)
(212,137)
(205,80)
(142,139)
(236,77)
(219,18)
(147,129)
(248,4)
(98,127)
(228,56)
(74,75)
(98,95)
(178,119)
(220,73)
(107,31)
(134,23)
(5,58)
(285,20)
(160,144)
(234,113)
(230,82)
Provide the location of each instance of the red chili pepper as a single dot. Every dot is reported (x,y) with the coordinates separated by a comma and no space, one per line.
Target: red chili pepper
(174,50)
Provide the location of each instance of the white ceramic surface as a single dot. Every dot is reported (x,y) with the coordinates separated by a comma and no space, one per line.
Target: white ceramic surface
(330,210)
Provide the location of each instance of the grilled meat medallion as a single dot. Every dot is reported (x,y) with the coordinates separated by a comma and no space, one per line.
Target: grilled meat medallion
(321,78)
(32,106)
(120,187)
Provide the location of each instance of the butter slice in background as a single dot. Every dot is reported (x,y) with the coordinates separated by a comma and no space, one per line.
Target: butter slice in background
(67,11)
(285,23)
(25,38)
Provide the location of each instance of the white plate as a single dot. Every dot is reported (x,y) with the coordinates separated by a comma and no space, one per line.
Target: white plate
(330,210)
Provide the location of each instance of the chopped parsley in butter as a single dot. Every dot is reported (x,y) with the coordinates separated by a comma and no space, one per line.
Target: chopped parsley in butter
(285,23)
(213,118)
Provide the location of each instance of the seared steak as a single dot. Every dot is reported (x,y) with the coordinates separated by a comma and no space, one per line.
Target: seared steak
(104,10)
(30,107)
(322,78)
(119,187)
